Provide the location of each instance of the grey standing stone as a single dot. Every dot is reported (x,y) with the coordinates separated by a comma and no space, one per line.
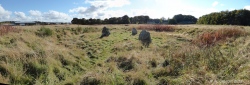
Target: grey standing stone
(145,38)
(134,31)
(105,32)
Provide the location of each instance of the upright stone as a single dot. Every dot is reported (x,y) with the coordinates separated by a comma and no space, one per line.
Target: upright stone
(105,32)
(134,31)
(145,38)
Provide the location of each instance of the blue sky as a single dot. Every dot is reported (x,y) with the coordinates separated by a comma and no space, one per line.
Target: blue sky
(65,10)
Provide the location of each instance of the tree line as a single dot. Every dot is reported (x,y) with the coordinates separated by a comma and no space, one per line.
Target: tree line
(113,20)
(235,17)
(177,19)
(182,19)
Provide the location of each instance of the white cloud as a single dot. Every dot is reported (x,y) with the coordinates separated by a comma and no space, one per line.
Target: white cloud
(113,13)
(56,16)
(4,14)
(78,10)
(20,15)
(150,12)
(100,9)
(215,3)
(231,9)
(108,3)
(35,13)
(222,4)
(247,7)
(92,9)
(179,7)
(104,9)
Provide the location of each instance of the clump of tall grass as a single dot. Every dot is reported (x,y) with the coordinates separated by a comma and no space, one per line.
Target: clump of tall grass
(211,38)
(158,28)
(90,81)
(44,32)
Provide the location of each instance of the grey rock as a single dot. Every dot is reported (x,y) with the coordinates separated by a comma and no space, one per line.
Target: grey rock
(145,38)
(134,31)
(105,32)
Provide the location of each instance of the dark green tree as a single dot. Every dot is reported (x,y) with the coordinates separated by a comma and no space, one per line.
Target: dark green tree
(172,21)
(125,19)
(235,17)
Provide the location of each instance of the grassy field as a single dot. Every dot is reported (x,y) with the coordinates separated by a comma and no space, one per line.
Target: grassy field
(74,54)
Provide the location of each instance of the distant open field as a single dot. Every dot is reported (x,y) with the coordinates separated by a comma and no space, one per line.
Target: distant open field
(74,54)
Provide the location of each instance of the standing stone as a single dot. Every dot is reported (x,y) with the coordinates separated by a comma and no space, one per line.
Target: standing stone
(105,32)
(134,31)
(145,38)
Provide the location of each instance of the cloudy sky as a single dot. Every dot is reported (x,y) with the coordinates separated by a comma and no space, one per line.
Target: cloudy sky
(65,10)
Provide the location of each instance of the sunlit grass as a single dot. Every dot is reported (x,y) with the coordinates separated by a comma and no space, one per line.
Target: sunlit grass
(74,54)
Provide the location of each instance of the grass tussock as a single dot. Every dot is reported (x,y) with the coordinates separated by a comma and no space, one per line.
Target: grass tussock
(43,32)
(207,39)
(90,81)
(157,28)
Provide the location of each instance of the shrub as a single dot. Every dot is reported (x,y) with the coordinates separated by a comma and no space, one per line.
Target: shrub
(43,32)
(208,39)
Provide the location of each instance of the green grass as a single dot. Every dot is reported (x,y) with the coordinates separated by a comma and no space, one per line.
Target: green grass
(74,54)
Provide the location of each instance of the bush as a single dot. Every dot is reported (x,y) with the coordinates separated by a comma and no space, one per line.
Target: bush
(208,39)
(43,32)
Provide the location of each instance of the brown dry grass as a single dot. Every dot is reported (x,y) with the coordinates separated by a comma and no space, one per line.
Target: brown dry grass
(74,54)
(210,38)
(4,29)
(158,28)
